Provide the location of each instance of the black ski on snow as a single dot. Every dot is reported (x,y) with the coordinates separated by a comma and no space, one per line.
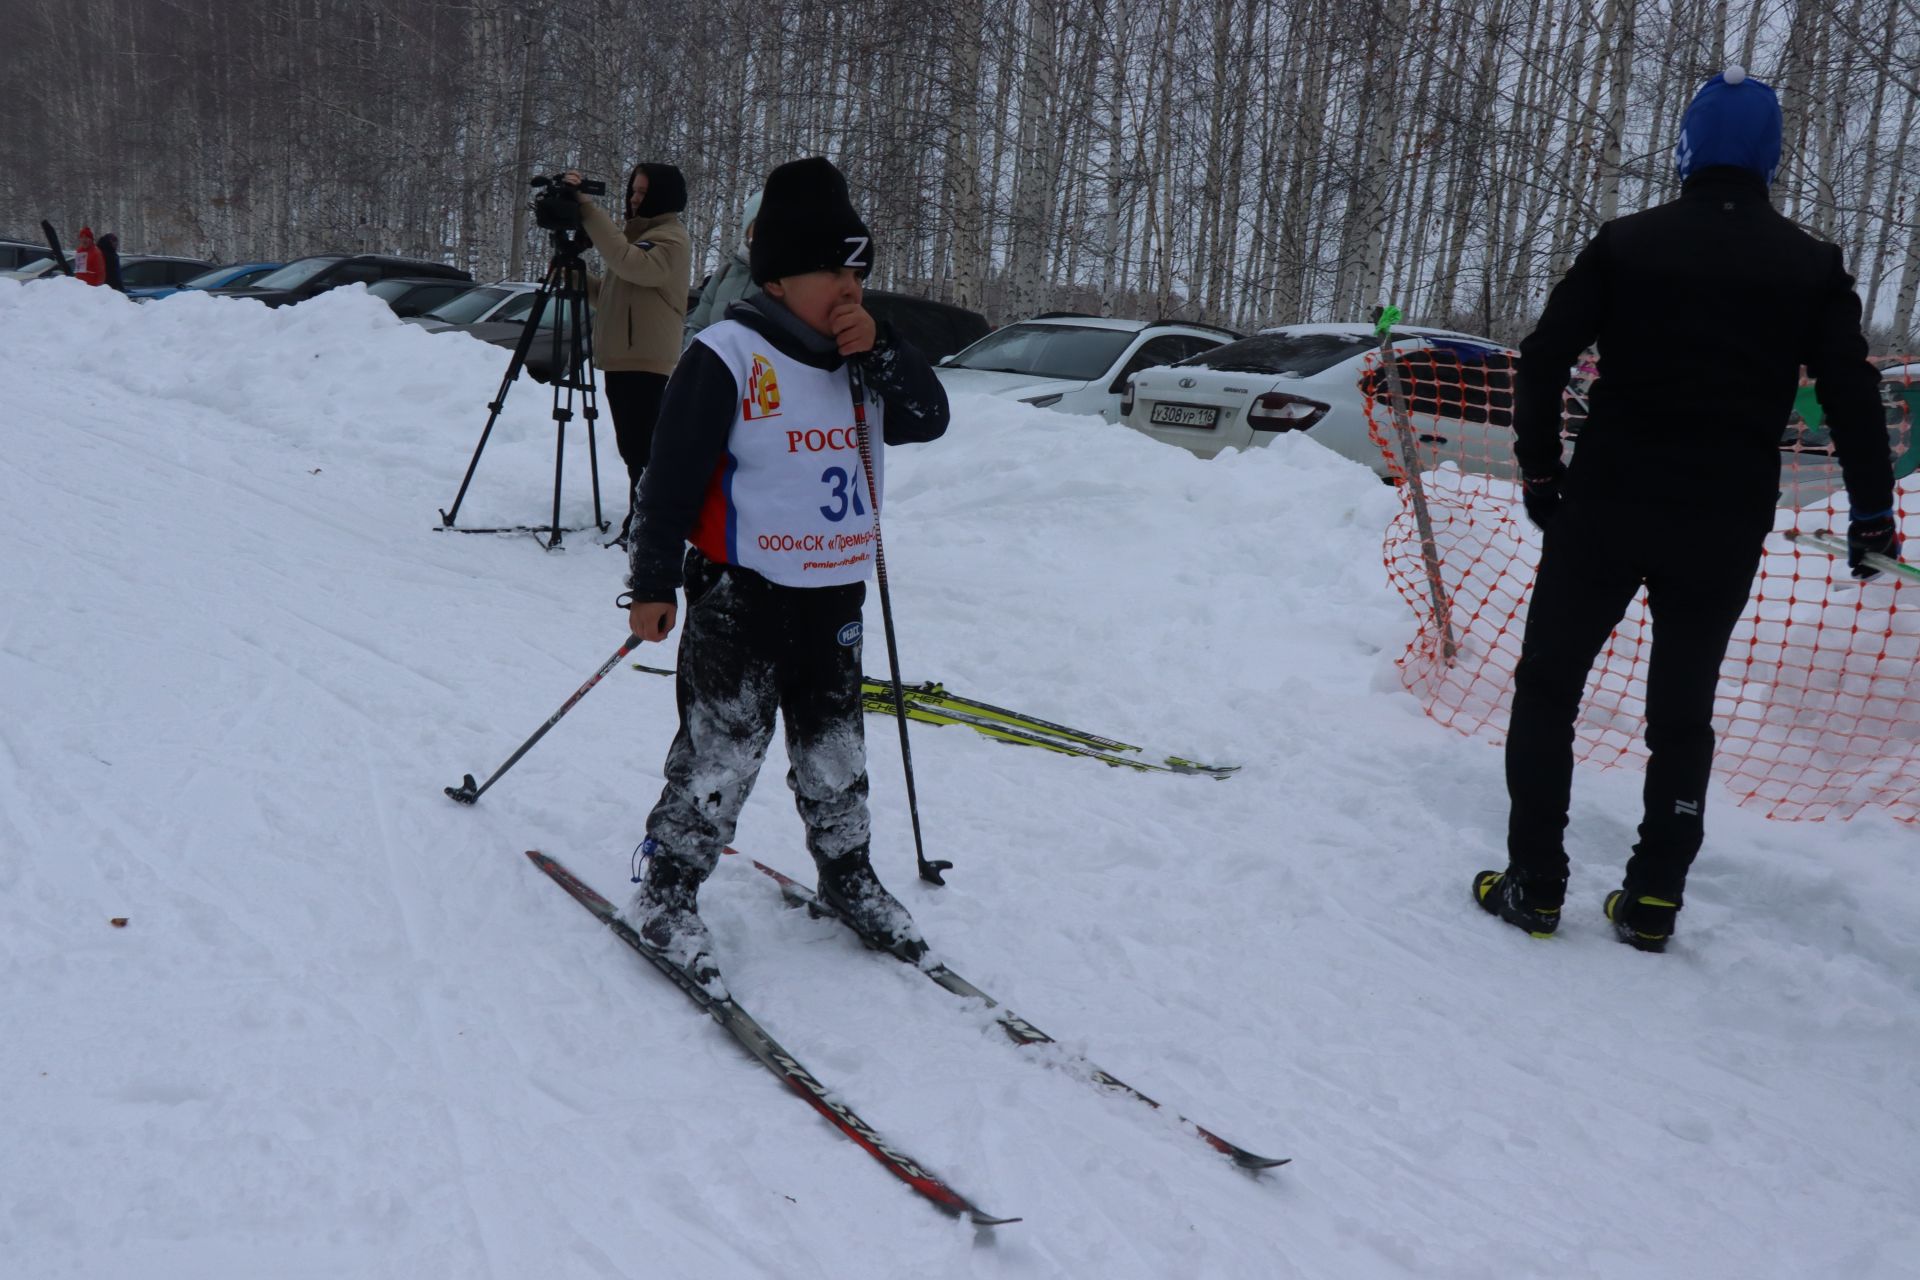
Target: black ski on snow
(728,1013)
(1018,1029)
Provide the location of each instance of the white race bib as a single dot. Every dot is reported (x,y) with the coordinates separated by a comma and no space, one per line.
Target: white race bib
(790,499)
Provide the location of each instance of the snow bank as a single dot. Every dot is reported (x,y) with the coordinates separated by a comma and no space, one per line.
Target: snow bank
(347,1029)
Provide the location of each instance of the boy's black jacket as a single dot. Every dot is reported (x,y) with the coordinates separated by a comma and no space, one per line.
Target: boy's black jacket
(698,411)
(1704,308)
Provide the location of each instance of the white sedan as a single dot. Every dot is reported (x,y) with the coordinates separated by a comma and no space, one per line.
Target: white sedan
(1309,377)
(1072,363)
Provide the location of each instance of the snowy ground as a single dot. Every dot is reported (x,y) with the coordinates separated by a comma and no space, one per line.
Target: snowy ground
(348,1030)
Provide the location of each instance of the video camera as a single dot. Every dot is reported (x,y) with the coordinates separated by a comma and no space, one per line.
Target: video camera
(554,207)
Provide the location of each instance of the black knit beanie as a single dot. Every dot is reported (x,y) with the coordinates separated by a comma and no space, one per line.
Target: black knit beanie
(807,223)
(666,190)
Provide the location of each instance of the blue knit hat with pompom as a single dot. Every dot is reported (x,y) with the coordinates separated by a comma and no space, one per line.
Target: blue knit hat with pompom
(1733,120)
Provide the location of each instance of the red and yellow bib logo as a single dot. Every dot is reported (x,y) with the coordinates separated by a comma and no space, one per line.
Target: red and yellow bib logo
(763,392)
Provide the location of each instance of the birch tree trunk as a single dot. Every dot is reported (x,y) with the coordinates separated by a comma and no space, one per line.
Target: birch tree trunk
(1376,178)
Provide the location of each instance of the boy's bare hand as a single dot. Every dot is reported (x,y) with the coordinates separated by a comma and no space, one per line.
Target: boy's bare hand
(852,328)
(651,620)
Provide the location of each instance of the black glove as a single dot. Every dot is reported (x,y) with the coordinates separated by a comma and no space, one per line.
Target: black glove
(1540,495)
(1875,534)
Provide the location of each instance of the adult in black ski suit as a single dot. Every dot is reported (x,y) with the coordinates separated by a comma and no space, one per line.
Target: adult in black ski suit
(1704,310)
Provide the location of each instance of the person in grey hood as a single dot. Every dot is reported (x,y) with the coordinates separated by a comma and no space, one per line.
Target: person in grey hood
(730,282)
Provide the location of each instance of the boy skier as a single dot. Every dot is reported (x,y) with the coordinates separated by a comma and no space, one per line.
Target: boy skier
(758,463)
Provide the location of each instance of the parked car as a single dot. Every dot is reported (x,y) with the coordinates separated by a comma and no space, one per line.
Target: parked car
(158,271)
(15,254)
(1073,363)
(1314,378)
(39,269)
(1900,389)
(1809,468)
(237,275)
(505,325)
(411,296)
(936,329)
(308,277)
(475,306)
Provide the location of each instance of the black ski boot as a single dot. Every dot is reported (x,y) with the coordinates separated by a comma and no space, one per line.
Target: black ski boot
(849,886)
(1530,905)
(1642,921)
(664,911)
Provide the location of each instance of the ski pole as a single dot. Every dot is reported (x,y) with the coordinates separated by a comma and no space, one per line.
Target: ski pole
(1423,520)
(467,792)
(1836,546)
(929,871)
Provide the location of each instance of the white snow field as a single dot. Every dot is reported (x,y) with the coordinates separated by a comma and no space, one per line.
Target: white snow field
(348,1030)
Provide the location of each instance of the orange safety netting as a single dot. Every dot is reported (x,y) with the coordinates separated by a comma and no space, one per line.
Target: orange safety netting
(1818,709)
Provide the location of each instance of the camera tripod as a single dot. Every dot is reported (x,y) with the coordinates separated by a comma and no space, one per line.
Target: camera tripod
(571,352)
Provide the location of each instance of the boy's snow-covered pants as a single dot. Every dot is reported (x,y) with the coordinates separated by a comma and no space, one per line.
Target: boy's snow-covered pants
(750,647)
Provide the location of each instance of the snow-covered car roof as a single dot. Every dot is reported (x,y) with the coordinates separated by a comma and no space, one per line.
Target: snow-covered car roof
(1089,322)
(1360,330)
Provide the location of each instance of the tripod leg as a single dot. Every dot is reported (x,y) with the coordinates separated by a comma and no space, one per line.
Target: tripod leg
(563,385)
(590,403)
(559,459)
(499,401)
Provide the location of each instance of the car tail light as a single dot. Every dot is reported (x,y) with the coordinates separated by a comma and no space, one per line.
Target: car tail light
(1126,399)
(1279,411)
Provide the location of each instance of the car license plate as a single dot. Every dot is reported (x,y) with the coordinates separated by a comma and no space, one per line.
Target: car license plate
(1184,415)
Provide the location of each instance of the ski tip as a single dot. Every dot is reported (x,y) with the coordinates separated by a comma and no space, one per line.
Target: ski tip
(979,1219)
(1247,1160)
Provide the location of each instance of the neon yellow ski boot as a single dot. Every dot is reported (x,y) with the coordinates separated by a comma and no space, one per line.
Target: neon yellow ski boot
(1644,922)
(1530,905)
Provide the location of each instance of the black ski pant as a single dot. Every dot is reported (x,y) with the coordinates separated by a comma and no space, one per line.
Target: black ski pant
(633,398)
(1698,568)
(750,647)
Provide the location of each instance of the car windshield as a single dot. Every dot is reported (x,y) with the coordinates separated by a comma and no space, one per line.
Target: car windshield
(392,290)
(294,274)
(213,279)
(1299,354)
(522,306)
(145,273)
(1074,352)
(466,308)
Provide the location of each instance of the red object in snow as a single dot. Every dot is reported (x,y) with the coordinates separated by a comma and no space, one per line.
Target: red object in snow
(89,264)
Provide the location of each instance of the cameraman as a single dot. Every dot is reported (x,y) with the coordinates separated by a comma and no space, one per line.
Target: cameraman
(641,307)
